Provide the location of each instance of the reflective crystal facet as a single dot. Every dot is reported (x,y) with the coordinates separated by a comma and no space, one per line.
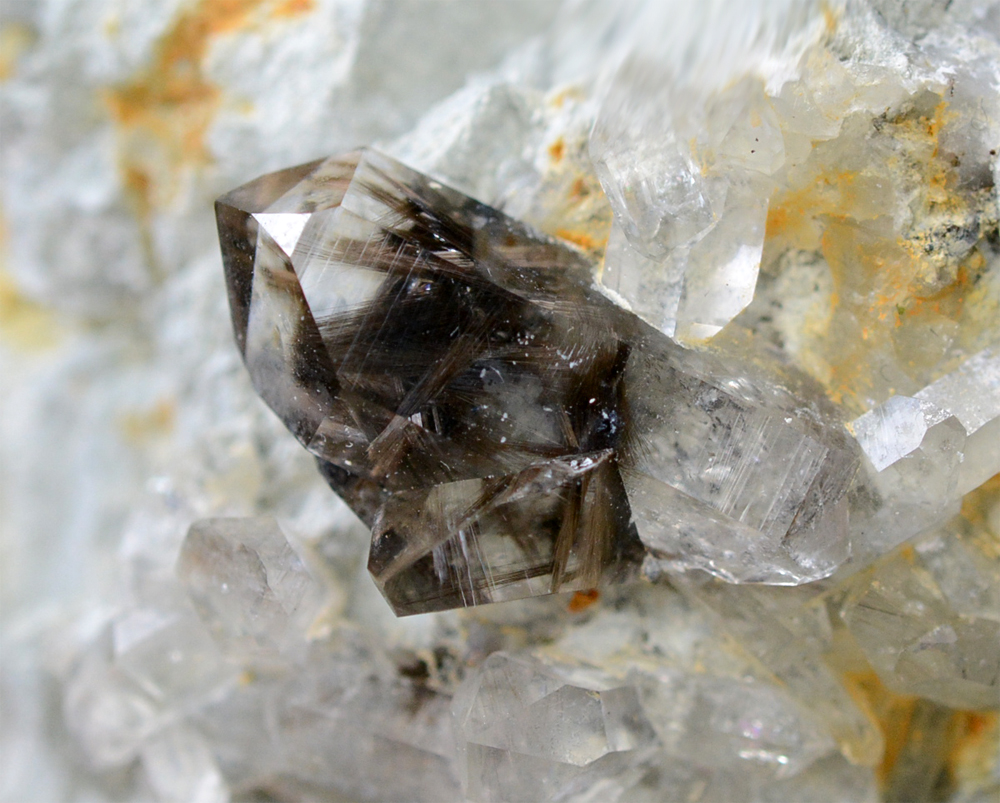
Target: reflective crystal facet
(345,717)
(734,475)
(790,638)
(503,427)
(180,766)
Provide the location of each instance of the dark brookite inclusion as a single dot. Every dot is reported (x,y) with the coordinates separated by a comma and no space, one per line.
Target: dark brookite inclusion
(503,428)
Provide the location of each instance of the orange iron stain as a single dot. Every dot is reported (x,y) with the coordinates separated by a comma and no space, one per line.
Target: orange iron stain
(294,8)
(579,190)
(581,239)
(557,150)
(163,113)
(583,599)
(892,712)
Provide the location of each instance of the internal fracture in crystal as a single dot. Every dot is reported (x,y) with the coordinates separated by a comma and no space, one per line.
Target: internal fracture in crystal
(503,427)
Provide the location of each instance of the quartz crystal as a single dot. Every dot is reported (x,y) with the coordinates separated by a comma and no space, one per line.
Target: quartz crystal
(504,429)
(180,766)
(783,132)
(726,724)
(928,616)
(546,726)
(527,731)
(924,452)
(346,715)
(248,585)
(789,638)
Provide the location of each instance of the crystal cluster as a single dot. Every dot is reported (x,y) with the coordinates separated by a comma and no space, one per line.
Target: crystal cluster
(505,429)
(761,165)
(671,329)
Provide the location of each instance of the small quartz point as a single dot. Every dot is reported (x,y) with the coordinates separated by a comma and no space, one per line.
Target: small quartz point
(695,222)
(789,637)
(347,716)
(167,651)
(248,585)
(924,452)
(928,616)
(719,722)
(149,663)
(525,730)
(504,428)
(108,712)
(540,726)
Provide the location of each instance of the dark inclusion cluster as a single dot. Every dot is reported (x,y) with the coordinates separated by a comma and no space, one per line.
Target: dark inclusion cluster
(502,427)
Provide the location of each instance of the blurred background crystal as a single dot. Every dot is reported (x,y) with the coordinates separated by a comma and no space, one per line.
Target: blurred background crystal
(808,186)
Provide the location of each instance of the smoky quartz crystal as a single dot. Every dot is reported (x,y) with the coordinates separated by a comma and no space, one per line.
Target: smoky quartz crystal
(504,428)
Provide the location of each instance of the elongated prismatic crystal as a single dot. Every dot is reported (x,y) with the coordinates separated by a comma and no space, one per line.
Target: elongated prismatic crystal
(504,428)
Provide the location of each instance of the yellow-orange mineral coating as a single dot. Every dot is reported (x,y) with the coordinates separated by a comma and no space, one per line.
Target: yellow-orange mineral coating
(164,111)
(898,308)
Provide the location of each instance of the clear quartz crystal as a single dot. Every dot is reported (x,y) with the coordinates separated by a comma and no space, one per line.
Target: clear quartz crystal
(169,653)
(346,716)
(527,730)
(788,636)
(648,287)
(109,713)
(505,429)
(720,270)
(727,724)
(928,616)
(700,491)
(924,452)
(248,585)
(822,120)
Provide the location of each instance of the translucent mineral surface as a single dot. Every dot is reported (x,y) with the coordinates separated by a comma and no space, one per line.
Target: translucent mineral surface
(761,237)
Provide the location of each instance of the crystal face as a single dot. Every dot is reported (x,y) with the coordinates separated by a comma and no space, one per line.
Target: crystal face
(505,429)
